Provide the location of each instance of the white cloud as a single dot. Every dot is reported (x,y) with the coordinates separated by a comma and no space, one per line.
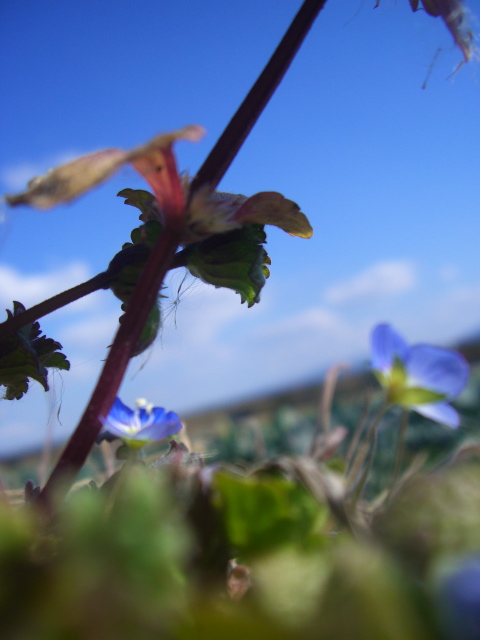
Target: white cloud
(97,330)
(203,315)
(16,177)
(452,316)
(377,281)
(448,273)
(30,289)
(189,372)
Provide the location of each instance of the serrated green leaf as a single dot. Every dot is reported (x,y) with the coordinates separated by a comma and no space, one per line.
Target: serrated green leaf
(143,200)
(15,390)
(45,346)
(56,360)
(18,363)
(27,354)
(235,260)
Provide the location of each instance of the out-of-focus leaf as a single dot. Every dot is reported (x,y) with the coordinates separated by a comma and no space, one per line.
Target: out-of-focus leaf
(27,354)
(269,207)
(143,200)
(208,621)
(433,516)
(261,513)
(215,212)
(290,581)
(110,568)
(66,182)
(236,260)
(367,597)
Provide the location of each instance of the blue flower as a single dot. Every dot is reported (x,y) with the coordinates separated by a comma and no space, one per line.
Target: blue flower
(458,601)
(137,428)
(419,377)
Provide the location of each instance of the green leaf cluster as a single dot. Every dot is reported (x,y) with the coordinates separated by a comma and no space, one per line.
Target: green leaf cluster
(122,561)
(27,354)
(109,569)
(128,264)
(235,260)
(263,512)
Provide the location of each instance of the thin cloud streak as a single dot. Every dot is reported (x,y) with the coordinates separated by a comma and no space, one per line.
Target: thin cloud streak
(30,289)
(220,351)
(380,280)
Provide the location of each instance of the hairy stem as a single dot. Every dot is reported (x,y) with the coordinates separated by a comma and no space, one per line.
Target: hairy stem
(103,396)
(160,259)
(100,281)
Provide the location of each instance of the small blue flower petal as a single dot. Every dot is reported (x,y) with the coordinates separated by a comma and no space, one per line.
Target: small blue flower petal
(158,414)
(421,367)
(140,425)
(440,412)
(437,369)
(169,426)
(117,430)
(458,601)
(386,345)
(120,414)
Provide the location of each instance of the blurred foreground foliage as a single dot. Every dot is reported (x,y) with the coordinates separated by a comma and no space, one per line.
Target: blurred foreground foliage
(179,550)
(269,538)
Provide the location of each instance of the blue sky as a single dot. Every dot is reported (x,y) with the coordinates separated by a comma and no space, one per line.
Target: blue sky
(387,172)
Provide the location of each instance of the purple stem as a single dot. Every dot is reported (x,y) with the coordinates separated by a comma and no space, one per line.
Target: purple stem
(103,396)
(15,323)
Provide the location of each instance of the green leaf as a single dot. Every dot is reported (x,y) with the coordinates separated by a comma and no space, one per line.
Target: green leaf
(147,234)
(128,265)
(56,360)
(143,200)
(235,260)
(150,330)
(263,512)
(27,354)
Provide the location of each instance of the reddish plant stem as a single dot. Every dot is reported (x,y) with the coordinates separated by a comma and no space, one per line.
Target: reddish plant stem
(100,281)
(160,259)
(83,438)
